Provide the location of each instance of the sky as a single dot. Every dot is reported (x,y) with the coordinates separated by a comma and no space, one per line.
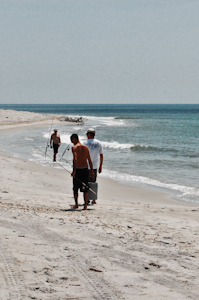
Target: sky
(99,51)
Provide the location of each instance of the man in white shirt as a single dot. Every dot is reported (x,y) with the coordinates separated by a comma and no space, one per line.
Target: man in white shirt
(96,154)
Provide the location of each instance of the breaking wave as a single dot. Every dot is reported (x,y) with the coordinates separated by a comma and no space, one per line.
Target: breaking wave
(137,147)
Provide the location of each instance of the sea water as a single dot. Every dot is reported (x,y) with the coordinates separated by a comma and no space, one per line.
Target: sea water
(151,146)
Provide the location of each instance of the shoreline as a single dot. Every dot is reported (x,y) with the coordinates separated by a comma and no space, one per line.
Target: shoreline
(33,120)
(134,244)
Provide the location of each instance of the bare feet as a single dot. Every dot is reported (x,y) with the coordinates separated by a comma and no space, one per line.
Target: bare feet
(74,206)
(94,202)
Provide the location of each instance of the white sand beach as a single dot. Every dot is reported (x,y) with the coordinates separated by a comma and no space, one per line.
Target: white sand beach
(134,244)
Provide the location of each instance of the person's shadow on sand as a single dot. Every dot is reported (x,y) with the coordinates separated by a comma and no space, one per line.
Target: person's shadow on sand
(77,209)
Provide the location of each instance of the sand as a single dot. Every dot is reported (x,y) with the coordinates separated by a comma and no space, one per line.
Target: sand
(134,244)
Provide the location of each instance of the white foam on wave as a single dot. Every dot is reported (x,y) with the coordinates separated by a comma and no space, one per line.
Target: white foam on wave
(187,192)
(108,121)
(134,147)
(116,145)
(65,138)
(46,135)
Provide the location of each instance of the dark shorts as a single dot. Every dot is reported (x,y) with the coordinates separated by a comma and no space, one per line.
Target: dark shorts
(55,148)
(92,179)
(82,175)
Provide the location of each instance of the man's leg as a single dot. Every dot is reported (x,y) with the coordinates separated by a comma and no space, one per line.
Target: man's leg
(75,193)
(55,147)
(94,180)
(85,200)
(76,202)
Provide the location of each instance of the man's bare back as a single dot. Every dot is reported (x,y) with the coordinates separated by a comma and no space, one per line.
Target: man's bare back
(81,155)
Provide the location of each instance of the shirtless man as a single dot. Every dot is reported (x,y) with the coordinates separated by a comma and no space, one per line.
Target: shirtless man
(55,142)
(81,158)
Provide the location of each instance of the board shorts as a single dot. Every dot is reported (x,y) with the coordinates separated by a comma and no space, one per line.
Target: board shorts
(82,176)
(55,148)
(92,179)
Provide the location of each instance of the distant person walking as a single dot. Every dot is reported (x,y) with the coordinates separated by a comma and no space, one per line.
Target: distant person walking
(80,174)
(96,153)
(55,142)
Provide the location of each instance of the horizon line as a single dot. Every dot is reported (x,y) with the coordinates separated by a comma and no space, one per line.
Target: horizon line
(98,104)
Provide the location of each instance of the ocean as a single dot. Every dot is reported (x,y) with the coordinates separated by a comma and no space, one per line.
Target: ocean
(149,146)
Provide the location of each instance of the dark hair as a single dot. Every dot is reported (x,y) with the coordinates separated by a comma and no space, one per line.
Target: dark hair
(92,134)
(74,136)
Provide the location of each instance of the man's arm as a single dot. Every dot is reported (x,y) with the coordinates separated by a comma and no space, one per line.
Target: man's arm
(90,164)
(101,162)
(74,163)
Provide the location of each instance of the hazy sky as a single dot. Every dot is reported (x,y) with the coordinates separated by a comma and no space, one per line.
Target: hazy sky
(99,51)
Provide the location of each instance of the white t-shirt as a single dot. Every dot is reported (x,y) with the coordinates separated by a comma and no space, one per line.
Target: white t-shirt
(95,149)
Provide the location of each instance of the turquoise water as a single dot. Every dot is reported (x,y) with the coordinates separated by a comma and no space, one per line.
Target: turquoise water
(153,146)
